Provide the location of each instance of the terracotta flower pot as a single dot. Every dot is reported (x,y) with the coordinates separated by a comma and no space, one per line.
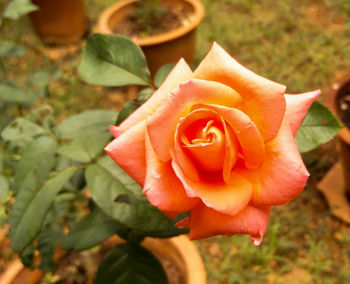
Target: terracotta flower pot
(163,48)
(59,21)
(180,251)
(333,100)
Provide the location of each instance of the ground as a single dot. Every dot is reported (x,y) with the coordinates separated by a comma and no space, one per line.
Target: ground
(304,44)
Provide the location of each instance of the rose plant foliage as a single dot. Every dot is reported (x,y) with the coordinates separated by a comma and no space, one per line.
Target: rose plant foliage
(203,152)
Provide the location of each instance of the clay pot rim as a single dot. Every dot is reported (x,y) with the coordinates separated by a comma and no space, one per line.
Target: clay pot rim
(183,247)
(198,15)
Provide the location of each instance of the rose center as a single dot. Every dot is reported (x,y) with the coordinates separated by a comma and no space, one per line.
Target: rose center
(207,147)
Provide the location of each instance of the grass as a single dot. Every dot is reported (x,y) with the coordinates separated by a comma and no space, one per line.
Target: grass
(304,44)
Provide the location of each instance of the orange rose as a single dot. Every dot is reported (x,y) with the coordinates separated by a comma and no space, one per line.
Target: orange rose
(219,143)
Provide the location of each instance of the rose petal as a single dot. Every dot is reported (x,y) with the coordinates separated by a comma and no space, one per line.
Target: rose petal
(184,223)
(162,187)
(283,174)
(162,124)
(228,198)
(264,102)
(231,152)
(171,214)
(128,151)
(297,107)
(206,222)
(248,135)
(180,73)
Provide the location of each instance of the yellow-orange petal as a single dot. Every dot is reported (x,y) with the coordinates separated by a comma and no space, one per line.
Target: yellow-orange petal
(283,174)
(206,222)
(162,187)
(264,102)
(162,124)
(297,107)
(248,135)
(180,73)
(129,152)
(228,198)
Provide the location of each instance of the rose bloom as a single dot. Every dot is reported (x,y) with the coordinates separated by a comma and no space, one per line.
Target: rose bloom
(217,142)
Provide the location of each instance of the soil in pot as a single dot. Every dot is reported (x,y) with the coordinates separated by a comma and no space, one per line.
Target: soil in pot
(163,19)
(170,38)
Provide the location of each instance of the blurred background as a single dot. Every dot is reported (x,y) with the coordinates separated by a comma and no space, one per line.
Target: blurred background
(303,44)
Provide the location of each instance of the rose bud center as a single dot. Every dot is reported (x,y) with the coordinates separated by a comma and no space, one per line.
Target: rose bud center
(207,145)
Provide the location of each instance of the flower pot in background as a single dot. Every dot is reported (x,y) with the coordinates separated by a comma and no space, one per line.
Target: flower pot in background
(178,255)
(163,48)
(59,21)
(338,100)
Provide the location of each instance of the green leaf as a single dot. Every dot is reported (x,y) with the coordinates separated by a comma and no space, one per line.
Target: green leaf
(48,239)
(127,109)
(10,93)
(130,264)
(130,184)
(61,208)
(40,81)
(17,8)
(37,160)
(3,216)
(4,187)
(85,149)
(31,208)
(140,215)
(319,126)
(91,231)
(4,121)
(144,95)
(86,123)
(162,73)
(77,181)
(21,128)
(111,60)
(11,49)
(27,256)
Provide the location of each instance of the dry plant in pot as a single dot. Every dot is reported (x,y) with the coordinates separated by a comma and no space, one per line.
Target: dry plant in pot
(336,184)
(202,152)
(165,29)
(338,100)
